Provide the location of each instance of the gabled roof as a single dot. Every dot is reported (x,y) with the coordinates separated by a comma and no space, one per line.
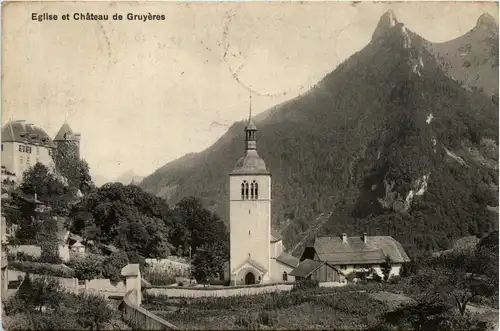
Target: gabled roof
(288,260)
(334,251)
(275,236)
(306,267)
(253,263)
(22,132)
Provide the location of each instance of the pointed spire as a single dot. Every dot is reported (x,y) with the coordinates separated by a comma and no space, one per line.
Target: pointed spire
(250,124)
(250,116)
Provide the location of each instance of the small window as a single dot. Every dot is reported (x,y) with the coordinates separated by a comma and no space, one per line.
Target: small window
(21,160)
(2,147)
(246,191)
(256,195)
(21,148)
(343,267)
(249,232)
(285,276)
(28,159)
(38,151)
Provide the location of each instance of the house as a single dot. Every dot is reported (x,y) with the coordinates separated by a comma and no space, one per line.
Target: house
(320,271)
(351,254)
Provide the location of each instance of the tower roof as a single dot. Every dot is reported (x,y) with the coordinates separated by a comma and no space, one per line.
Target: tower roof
(250,125)
(65,133)
(22,132)
(250,164)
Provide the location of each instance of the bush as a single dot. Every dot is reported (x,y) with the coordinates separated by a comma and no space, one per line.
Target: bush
(306,284)
(113,265)
(157,276)
(88,267)
(56,270)
(394,280)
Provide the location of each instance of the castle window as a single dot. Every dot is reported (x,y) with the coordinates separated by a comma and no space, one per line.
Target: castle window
(243,190)
(28,149)
(285,276)
(251,190)
(246,190)
(21,148)
(256,193)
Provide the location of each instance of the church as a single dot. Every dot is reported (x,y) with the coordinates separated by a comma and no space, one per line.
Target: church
(257,254)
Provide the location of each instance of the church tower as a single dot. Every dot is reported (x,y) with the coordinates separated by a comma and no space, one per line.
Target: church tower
(250,214)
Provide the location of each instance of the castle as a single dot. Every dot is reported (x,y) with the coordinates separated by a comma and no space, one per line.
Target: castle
(256,251)
(24,145)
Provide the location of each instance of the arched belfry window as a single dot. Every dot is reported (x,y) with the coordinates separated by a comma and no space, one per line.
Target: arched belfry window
(256,190)
(249,190)
(243,190)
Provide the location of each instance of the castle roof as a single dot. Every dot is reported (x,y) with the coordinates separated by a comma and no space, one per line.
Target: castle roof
(355,251)
(26,133)
(65,133)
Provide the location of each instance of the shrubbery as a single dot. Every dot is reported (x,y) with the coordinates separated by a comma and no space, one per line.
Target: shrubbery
(56,270)
(64,311)
(91,266)
(306,284)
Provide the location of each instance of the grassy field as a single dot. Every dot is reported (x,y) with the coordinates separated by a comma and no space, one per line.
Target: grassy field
(311,310)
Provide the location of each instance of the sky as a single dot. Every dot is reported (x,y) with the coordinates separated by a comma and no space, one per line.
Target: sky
(145,93)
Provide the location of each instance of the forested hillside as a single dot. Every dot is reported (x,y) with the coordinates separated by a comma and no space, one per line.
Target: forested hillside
(387,142)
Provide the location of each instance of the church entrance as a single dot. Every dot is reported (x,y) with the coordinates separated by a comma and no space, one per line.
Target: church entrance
(249,279)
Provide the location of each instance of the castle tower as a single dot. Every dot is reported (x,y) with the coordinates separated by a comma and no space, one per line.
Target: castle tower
(250,215)
(67,144)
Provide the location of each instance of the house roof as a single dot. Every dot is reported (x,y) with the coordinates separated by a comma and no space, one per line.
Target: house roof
(26,133)
(334,251)
(275,236)
(306,267)
(288,259)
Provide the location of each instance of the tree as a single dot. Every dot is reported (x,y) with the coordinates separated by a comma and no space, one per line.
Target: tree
(126,217)
(113,265)
(92,311)
(386,267)
(209,260)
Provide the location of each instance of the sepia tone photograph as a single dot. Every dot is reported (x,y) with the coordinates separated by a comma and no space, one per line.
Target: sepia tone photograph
(249,166)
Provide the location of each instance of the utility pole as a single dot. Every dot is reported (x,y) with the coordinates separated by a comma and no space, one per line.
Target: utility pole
(190,266)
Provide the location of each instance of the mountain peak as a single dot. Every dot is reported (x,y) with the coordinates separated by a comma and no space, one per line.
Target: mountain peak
(487,21)
(387,21)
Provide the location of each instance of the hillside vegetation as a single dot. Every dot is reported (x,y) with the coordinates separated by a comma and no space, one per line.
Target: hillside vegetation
(387,142)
